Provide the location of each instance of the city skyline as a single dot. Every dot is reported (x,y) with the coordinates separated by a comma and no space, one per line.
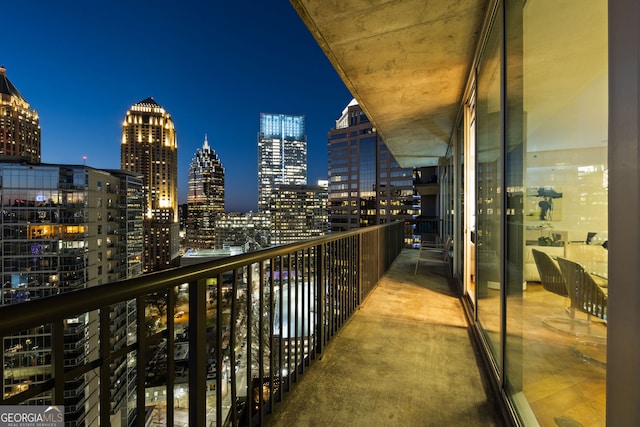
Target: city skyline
(214,69)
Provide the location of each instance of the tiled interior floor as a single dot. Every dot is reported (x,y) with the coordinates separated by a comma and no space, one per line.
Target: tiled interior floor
(563,375)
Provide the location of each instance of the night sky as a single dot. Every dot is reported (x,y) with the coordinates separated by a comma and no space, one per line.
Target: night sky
(214,66)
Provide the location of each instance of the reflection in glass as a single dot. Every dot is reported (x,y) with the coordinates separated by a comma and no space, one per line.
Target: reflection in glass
(564,204)
(488,196)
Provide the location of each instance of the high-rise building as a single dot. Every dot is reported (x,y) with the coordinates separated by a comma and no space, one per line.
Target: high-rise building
(205,198)
(66,227)
(282,155)
(249,230)
(366,184)
(149,147)
(19,124)
(299,212)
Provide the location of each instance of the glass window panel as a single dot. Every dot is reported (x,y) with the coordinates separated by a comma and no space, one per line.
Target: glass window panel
(556,337)
(488,194)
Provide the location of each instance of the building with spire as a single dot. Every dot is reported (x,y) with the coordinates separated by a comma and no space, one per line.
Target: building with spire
(19,124)
(149,147)
(205,198)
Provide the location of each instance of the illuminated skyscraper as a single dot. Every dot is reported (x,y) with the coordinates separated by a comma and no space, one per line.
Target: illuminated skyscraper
(366,184)
(205,199)
(282,155)
(19,124)
(149,147)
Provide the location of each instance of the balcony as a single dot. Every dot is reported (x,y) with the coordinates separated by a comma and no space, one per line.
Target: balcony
(324,324)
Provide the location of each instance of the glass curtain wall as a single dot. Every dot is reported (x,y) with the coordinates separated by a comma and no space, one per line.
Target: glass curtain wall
(542,199)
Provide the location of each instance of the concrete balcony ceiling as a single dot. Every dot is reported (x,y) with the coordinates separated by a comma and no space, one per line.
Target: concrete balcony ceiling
(406,62)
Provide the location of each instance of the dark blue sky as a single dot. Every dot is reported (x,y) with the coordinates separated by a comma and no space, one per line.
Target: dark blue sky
(214,66)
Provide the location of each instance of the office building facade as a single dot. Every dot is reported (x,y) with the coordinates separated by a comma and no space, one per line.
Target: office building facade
(299,212)
(205,198)
(366,184)
(19,124)
(63,230)
(250,230)
(282,155)
(149,147)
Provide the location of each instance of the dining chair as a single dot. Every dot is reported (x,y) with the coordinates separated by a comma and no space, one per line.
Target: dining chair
(553,281)
(587,293)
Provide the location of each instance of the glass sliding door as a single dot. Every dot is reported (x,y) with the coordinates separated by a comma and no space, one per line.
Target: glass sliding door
(556,337)
(469,236)
(489,183)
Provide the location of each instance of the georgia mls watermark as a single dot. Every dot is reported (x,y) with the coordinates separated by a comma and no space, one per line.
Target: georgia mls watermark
(31,416)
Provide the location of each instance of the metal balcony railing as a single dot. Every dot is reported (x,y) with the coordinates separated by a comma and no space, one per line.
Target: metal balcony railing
(246,326)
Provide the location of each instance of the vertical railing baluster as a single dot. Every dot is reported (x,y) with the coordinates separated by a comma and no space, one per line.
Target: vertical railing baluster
(261,349)
(57,360)
(281,327)
(361,273)
(352,274)
(330,267)
(335,287)
(219,359)
(171,351)
(296,344)
(344,282)
(304,309)
(310,309)
(353,285)
(272,350)
(339,280)
(291,280)
(232,345)
(314,280)
(197,349)
(320,298)
(248,343)
(105,369)
(141,359)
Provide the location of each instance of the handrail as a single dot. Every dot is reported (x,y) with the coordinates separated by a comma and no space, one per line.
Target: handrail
(316,284)
(29,314)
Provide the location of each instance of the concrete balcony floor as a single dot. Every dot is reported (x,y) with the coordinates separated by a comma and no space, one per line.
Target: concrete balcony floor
(404,359)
